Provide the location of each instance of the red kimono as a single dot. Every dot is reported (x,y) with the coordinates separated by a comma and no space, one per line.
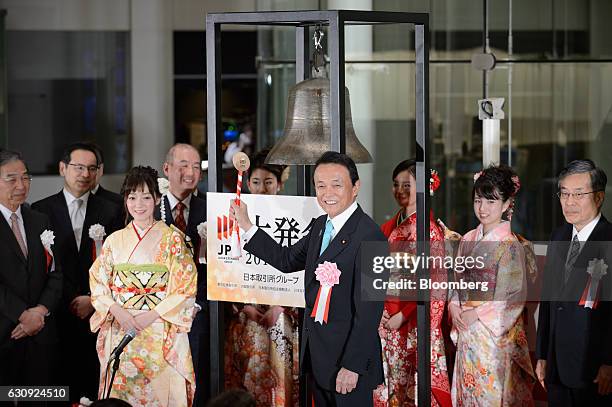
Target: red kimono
(400,346)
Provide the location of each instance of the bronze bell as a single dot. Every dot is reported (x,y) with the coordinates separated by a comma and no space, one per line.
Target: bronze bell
(307,133)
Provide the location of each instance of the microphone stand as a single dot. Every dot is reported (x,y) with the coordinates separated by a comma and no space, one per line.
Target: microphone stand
(116,360)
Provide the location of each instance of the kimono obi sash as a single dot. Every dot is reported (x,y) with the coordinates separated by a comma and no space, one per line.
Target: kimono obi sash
(476,297)
(139,286)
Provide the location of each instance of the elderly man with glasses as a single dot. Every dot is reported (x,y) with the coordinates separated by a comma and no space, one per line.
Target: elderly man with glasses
(574,341)
(72,211)
(30,291)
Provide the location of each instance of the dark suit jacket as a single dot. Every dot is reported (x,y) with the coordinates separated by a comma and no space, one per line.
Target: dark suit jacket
(574,340)
(350,338)
(25,283)
(75,263)
(197,215)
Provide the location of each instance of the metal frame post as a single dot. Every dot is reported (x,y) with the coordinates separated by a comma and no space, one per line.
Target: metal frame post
(422,178)
(336,20)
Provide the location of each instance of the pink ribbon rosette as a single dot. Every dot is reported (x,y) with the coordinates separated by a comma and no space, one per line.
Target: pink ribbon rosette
(597,269)
(328,276)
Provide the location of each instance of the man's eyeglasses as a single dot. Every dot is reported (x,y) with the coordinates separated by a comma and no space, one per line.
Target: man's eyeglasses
(81,168)
(12,179)
(564,196)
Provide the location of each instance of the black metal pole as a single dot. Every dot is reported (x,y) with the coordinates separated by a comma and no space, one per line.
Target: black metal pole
(422,180)
(215,184)
(336,67)
(302,72)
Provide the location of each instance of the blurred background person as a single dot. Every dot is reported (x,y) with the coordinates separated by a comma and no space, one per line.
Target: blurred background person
(145,281)
(262,345)
(398,326)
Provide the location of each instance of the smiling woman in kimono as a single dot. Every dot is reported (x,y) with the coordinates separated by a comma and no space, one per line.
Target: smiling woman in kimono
(492,366)
(398,327)
(145,280)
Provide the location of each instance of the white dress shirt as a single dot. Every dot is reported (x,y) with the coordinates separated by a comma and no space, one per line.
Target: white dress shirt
(174,201)
(6,212)
(584,233)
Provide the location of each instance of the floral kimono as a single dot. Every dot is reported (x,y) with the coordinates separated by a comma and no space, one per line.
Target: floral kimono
(265,362)
(400,346)
(492,366)
(141,271)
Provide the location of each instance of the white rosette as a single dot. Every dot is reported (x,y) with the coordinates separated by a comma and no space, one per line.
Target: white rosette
(47,237)
(597,269)
(202,231)
(97,233)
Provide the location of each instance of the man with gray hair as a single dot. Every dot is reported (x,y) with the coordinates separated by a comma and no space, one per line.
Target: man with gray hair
(574,341)
(30,289)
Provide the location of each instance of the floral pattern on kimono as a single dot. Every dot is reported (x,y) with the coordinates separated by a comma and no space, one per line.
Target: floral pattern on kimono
(400,346)
(492,366)
(157,273)
(265,362)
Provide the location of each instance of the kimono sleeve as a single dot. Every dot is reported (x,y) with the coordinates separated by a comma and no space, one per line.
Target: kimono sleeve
(100,277)
(178,306)
(501,314)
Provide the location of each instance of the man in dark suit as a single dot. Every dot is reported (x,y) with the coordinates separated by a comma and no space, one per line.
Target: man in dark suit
(72,212)
(30,291)
(186,211)
(574,342)
(343,355)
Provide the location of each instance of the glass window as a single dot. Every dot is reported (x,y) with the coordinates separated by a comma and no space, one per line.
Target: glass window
(67,86)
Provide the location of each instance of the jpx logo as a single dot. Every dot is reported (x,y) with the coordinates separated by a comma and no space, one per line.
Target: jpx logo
(225,228)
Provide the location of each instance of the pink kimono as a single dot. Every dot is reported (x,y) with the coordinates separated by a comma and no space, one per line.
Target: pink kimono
(492,366)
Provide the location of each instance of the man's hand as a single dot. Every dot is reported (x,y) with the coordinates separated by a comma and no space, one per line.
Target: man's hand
(395,322)
(346,381)
(240,214)
(30,323)
(81,306)
(455,312)
(540,371)
(604,380)
(125,319)
(271,316)
(146,318)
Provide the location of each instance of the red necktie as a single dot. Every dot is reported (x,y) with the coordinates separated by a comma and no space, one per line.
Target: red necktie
(179,220)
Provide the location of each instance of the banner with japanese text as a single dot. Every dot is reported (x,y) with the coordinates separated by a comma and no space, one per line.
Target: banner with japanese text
(249,279)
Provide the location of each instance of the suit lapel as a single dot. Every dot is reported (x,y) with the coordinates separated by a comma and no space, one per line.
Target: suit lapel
(588,252)
(6,230)
(91,216)
(340,241)
(31,236)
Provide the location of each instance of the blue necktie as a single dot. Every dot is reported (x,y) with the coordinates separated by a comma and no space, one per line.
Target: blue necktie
(327,235)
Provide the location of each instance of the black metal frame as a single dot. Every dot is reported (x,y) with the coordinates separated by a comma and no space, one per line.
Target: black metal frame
(336,20)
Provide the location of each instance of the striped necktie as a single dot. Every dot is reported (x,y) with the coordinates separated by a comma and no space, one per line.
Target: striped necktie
(574,252)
